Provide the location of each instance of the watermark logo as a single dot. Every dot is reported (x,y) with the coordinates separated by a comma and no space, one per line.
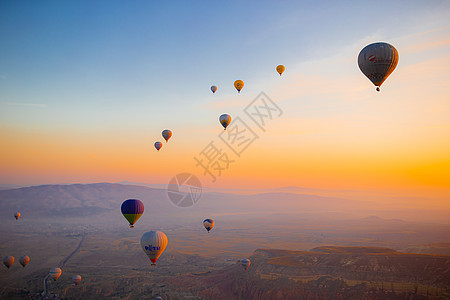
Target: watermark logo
(184,190)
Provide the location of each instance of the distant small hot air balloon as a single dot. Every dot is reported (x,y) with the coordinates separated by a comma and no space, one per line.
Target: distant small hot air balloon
(17,215)
(76,279)
(24,260)
(158,145)
(166,134)
(377,61)
(158,298)
(8,261)
(55,273)
(209,224)
(225,120)
(154,243)
(132,210)
(213,88)
(245,263)
(239,85)
(280,69)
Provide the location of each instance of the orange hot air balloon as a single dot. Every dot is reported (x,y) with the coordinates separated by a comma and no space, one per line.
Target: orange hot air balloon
(239,85)
(280,69)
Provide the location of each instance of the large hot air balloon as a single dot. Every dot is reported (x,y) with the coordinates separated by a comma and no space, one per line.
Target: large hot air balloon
(76,279)
(225,120)
(377,61)
(280,69)
(8,261)
(24,260)
(158,145)
(239,84)
(213,89)
(17,215)
(55,273)
(245,263)
(132,210)
(166,134)
(209,224)
(154,243)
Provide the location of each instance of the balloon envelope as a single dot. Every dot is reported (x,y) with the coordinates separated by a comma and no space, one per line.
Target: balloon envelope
(209,224)
(76,279)
(377,61)
(239,84)
(225,120)
(55,273)
(166,134)
(213,88)
(24,260)
(8,261)
(158,145)
(17,215)
(154,243)
(280,69)
(245,263)
(132,210)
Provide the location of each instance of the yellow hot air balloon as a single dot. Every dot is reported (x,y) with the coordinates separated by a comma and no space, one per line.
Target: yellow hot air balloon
(239,84)
(280,69)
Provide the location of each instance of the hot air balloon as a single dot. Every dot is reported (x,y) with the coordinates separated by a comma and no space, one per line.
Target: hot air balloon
(8,261)
(76,279)
(280,69)
(377,61)
(55,273)
(245,263)
(166,134)
(154,243)
(213,89)
(225,120)
(132,210)
(17,215)
(158,298)
(239,84)
(24,260)
(209,224)
(158,145)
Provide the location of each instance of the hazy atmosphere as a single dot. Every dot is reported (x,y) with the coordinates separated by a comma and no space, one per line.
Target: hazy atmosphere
(330,188)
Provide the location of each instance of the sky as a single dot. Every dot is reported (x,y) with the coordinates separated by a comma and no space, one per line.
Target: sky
(86,87)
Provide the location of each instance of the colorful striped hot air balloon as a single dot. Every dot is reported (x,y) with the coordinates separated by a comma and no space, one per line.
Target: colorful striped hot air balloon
(24,260)
(55,273)
(158,145)
(76,279)
(225,120)
(132,210)
(209,224)
(167,134)
(8,261)
(245,263)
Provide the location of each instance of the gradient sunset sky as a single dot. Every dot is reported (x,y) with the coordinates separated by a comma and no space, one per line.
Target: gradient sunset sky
(86,87)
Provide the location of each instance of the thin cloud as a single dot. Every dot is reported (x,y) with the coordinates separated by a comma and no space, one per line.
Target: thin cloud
(24,104)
